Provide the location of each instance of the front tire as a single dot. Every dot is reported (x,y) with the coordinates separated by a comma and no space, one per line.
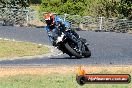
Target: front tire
(72,51)
(64,50)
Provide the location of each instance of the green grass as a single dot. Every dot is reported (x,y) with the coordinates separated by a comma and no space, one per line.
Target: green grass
(10,49)
(51,81)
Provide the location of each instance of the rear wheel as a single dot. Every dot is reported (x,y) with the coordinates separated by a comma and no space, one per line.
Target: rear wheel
(70,47)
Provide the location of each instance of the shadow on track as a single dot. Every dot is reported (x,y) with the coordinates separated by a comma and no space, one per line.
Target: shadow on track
(65,58)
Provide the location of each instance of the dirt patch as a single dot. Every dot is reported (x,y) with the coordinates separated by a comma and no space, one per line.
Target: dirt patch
(10,71)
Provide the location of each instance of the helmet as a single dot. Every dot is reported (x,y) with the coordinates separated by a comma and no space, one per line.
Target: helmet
(49,18)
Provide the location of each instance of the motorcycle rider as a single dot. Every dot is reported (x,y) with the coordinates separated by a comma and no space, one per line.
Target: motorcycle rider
(55,26)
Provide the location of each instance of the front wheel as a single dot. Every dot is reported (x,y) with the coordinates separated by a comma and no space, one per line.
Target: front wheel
(69,47)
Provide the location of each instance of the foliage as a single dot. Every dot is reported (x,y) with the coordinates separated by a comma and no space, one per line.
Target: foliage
(114,8)
(107,8)
(126,7)
(63,6)
(35,1)
(22,3)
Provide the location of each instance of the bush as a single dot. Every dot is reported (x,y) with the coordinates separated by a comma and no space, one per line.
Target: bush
(61,6)
(107,8)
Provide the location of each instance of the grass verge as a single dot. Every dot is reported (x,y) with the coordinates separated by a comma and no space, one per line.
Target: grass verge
(51,81)
(11,49)
(56,77)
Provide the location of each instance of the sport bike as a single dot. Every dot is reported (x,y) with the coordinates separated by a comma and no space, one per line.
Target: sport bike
(68,42)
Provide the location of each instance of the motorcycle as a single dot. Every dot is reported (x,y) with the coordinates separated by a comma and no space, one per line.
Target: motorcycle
(72,45)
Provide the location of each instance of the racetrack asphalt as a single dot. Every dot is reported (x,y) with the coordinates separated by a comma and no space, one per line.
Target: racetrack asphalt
(107,48)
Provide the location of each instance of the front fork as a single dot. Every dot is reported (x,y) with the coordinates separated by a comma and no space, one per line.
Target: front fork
(80,45)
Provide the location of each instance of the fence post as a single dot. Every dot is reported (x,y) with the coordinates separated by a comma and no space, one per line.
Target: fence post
(101,21)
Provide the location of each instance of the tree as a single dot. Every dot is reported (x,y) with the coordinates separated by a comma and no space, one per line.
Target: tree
(22,3)
(126,7)
(107,8)
(63,1)
(35,1)
(63,6)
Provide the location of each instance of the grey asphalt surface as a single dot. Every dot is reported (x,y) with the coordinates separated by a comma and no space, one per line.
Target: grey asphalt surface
(107,48)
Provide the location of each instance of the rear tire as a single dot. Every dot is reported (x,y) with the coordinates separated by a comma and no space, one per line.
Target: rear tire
(72,51)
